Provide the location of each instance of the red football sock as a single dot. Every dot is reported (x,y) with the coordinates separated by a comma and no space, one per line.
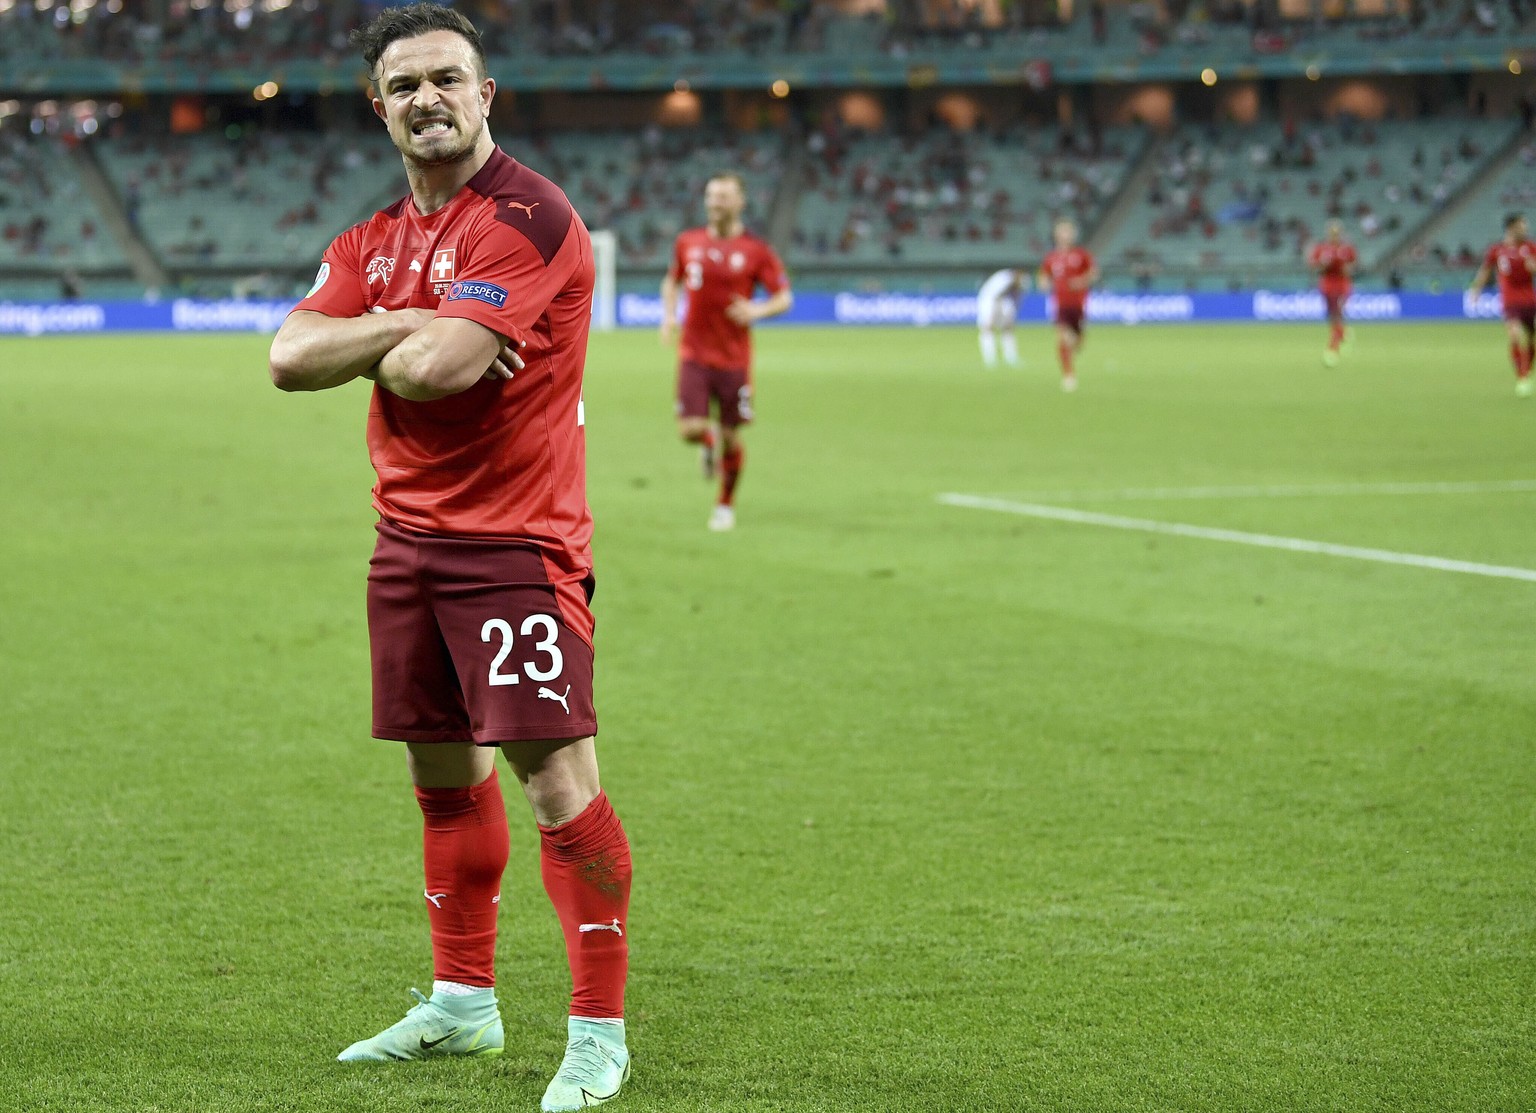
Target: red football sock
(1064,350)
(706,438)
(1530,356)
(465,851)
(731,463)
(1335,337)
(586,870)
(1517,353)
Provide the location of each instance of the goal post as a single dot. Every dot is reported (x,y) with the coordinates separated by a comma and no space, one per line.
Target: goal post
(605,296)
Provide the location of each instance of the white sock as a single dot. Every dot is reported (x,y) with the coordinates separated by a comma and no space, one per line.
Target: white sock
(1010,348)
(457,989)
(988,348)
(609,1029)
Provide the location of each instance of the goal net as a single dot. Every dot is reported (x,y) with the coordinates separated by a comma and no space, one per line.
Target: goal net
(605,298)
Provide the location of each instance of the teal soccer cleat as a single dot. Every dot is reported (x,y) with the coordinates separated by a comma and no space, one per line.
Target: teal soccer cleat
(467,1025)
(595,1069)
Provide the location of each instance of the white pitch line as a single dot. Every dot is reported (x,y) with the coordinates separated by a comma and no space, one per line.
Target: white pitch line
(1237,537)
(1284,490)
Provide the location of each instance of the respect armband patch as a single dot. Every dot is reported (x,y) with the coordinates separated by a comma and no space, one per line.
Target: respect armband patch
(487,292)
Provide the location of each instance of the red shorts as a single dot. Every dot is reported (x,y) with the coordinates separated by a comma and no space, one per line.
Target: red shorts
(472,642)
(731,391)
(1334,299)
(1523,312)
(1070,316)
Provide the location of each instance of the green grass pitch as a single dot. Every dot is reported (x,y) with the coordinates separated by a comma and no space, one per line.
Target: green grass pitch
(933,808)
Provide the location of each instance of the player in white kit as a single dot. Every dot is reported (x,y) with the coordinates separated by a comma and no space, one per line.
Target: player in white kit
(997,305)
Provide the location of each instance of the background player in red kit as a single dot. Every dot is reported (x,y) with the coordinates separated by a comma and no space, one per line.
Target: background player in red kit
(1334,261)
(1513,259)
(1068,272)
(720,265)
(468,304)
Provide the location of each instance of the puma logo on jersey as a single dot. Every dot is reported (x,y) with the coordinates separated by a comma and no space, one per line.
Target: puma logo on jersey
(526,208)
(613,927)
(550,693)
(435,898)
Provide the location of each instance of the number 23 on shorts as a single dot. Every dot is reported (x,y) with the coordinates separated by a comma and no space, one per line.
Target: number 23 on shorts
(533,625)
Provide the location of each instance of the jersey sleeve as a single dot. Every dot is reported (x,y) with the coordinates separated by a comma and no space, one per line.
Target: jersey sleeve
(504,282)
(338,288)
(770,271)
(1491,258)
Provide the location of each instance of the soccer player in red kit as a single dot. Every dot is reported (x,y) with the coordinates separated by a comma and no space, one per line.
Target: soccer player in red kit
(1334,261)
(1513,259)
(467,303)
(721,265)
(1069,272)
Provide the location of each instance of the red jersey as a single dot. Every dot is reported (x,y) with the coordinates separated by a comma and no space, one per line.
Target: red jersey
(1510,261)
(503,459)
(716,272)
(1065,268)
(1330,260)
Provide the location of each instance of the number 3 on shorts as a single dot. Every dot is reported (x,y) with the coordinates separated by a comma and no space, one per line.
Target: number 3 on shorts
(547,645)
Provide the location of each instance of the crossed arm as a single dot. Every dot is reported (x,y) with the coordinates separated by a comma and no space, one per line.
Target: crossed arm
(409,352)
(742,311)
(1082,282)
(746,312)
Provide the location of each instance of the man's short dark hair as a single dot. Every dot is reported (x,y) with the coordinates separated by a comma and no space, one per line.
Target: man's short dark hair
(394,24)
(1513,219)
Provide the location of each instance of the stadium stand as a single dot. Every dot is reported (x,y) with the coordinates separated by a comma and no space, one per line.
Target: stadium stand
(212,34)
(1228,204)
(948,197)
(1456,246)
(46,221)
(647,187)
(1092,33)
(1200,205)
(211,202)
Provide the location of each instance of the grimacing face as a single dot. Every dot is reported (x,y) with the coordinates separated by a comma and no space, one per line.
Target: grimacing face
(723,200)
(432,97)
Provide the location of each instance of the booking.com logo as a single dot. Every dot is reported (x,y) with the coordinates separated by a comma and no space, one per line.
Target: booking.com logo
(1310,306)
(1482,305)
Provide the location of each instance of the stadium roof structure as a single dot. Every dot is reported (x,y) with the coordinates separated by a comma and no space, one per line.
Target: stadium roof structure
(1064,63)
